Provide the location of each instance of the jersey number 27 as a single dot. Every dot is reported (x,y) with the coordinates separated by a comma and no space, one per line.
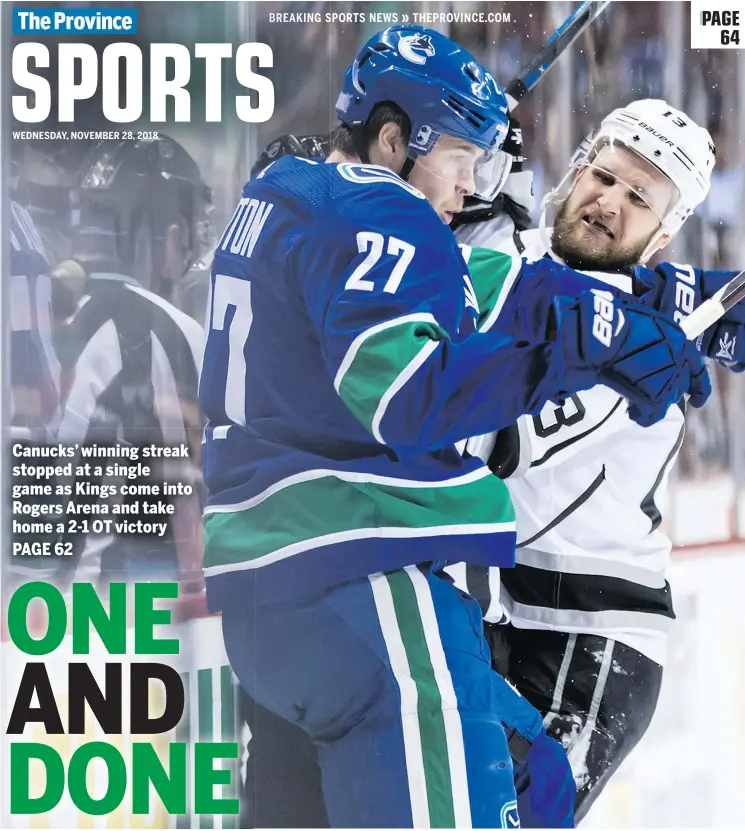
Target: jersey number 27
(374,244)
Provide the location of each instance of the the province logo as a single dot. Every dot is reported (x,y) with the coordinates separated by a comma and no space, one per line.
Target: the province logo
(416,48)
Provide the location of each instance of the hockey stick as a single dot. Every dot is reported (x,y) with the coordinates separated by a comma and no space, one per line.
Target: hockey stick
(563,37)
(712,309)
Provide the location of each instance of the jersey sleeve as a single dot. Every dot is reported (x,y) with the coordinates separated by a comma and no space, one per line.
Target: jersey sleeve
(493,274)
(391,299)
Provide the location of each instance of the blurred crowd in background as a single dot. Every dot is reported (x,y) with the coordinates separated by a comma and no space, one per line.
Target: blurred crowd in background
(634,50)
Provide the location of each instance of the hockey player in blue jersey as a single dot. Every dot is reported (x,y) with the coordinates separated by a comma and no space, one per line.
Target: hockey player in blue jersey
(341,367)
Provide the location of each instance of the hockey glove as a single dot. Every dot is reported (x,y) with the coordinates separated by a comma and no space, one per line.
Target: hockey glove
(545,787)
(543,777)
(633,349)
(513,144)
(304,147)
(679,289)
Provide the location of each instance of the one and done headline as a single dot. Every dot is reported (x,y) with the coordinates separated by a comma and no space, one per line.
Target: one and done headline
(82,70)
(118,703)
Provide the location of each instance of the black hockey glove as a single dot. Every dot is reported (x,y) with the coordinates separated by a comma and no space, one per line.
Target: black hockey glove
(304,147)
(513,145)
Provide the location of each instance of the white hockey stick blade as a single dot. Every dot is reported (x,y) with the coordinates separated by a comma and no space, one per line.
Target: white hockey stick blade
(712,309)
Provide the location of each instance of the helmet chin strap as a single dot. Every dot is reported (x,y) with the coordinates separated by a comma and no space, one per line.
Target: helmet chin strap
(543,229)
(651,246)
(407,168)
(363,154)
(672,229)
(553,197)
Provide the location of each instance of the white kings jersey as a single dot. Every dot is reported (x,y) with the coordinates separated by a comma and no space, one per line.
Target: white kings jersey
(587,485)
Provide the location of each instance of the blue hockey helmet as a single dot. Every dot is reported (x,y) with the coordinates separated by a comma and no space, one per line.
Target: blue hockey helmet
(442,89)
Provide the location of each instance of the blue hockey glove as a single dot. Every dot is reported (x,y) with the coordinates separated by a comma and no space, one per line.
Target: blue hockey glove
(633,349)
(545,787)
(543,777)
(679,289)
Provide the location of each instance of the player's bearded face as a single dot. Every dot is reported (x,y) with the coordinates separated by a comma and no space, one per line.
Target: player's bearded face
(612,212)
(446,175)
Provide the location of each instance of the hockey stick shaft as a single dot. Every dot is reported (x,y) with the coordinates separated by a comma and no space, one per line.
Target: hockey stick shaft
(563,37)
(712,309)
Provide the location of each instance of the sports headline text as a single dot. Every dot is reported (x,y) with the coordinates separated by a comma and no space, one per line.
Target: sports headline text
(118,73)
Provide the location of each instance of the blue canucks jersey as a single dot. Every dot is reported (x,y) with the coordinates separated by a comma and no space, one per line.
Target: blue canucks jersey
(342,364)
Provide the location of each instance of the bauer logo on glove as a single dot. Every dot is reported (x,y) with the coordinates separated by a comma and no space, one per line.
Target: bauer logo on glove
(679,289)
(645,356)
(602,323)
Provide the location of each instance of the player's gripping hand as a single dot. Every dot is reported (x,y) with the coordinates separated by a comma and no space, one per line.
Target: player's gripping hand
(303,147)
(544,785)
(635,350)
(679,289)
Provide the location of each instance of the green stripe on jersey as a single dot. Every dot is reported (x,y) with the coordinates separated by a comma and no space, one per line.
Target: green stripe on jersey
(493,275)
(379,360)
(308,513)
(434,749)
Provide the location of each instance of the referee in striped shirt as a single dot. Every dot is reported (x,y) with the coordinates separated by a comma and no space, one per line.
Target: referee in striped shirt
(130,358)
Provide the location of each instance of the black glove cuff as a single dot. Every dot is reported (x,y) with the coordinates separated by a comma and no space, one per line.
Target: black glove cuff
(519,746)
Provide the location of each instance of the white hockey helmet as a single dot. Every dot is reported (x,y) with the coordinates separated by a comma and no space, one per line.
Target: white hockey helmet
(669,140)
(665,137)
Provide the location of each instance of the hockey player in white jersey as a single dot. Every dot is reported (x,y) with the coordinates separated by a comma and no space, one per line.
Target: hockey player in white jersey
(588,605)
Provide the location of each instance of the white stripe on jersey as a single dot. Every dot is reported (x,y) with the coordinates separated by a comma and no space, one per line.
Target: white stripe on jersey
(653,578)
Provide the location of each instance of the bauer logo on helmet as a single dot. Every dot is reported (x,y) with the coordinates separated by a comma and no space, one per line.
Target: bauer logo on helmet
(424,136)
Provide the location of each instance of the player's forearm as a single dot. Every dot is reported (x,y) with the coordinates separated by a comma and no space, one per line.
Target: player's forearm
(412,387)
(531,297)
(463,389)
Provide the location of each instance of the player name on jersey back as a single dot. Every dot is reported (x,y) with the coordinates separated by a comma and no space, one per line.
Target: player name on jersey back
(246,225)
